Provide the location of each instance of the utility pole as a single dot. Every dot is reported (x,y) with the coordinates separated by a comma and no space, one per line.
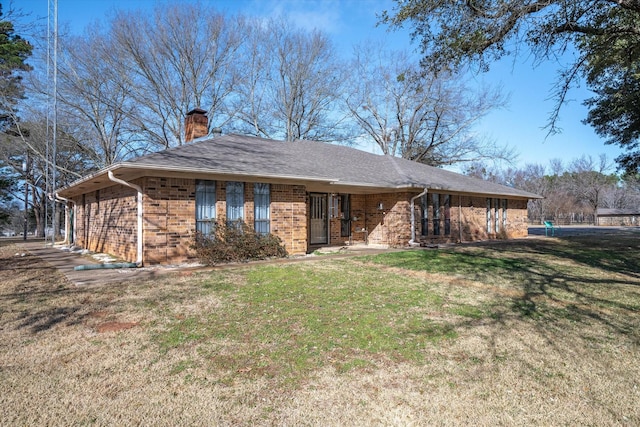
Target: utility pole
(25,169)
(52,39)
(54,154)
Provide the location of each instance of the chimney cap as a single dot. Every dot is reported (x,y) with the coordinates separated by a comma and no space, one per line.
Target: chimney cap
(197,111)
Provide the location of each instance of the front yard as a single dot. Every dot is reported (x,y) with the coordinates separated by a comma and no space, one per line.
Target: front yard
(531,332)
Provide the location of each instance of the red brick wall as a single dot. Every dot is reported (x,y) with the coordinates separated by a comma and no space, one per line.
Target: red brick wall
(289,216)
(392,225)
(288,212)
(471,213)
(170,217)
(169,220)
(106,220)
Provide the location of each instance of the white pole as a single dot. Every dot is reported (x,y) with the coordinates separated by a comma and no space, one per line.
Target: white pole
(55,118)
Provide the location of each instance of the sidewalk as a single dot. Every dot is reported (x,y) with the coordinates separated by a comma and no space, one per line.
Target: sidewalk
(65,261)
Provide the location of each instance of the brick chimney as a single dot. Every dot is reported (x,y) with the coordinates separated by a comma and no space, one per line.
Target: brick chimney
(196,125)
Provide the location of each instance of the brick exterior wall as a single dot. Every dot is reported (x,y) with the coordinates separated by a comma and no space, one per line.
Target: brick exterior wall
(392,225)
(105,220)
(169,220)
(289,216)
(474,218)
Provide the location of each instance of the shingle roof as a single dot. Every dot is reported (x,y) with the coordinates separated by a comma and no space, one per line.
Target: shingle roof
(310,160)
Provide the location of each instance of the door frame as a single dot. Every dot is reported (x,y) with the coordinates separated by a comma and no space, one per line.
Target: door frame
(324,211)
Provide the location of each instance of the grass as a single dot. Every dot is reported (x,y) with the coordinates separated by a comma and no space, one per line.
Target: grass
(541,331)
(294,320)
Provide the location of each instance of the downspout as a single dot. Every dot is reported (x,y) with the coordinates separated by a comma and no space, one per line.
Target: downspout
(139,190)
(67,224)
(55,198)
(412,242)
(460,217)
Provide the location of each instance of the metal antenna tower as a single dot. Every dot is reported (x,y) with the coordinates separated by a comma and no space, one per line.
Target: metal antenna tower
(50,186)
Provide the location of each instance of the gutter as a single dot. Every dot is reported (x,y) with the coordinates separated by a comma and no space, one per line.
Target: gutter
(412,242)
(139,215)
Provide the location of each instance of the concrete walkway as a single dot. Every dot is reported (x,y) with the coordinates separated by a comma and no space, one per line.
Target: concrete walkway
(65,261)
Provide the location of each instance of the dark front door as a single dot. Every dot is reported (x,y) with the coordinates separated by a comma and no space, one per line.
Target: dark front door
(318,219)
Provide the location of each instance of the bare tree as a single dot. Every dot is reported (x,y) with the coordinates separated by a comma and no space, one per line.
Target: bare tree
(574,192)
(419,116)
(28,147)
(292,84)
(618,197)
(251,96)
(589,180)
(557,167)
(180,57)
(94,101)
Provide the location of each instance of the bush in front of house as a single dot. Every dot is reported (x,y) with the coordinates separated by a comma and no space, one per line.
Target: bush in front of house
(236,242)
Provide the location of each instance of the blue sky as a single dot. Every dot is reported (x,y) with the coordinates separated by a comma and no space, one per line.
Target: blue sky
(348,22)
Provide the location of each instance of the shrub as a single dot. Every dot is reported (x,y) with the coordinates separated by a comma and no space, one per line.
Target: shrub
(236,242)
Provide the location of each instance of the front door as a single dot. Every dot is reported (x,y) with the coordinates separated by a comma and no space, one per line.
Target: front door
(318,219)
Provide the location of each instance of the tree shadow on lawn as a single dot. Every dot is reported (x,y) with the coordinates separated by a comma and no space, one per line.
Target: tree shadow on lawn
(37,297)
(564,311)
(576,279)
(571,285)
(612,252)
(590,278)
(40,296)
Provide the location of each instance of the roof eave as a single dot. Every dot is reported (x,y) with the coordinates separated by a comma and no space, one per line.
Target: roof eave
(128,167)
(125,167)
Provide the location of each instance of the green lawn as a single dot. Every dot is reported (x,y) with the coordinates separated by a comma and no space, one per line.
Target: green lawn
(290,320)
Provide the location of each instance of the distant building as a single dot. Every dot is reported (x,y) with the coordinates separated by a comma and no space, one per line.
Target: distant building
(618,217)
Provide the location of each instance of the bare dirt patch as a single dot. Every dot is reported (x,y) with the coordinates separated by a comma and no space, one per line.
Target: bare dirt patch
(115,326)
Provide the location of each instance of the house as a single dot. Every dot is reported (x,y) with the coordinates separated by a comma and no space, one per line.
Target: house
(310,194)
(619,217)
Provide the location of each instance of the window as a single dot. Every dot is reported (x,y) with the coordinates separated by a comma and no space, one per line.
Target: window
(441,214)
(235,202)
(504,214)
(424,201)
(205,205)
(447,214)
(496,213)
(261,203)
(333,206)
(489,222)
(435,200)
